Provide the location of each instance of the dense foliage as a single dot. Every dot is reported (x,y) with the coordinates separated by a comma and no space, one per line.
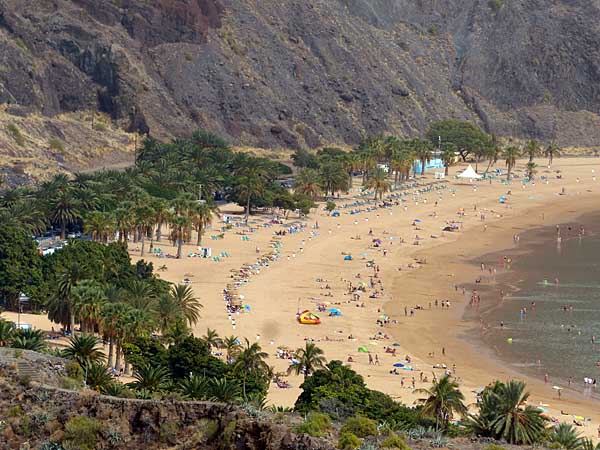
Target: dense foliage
(339,391)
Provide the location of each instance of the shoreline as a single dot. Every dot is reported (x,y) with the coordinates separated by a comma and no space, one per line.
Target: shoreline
(458,333)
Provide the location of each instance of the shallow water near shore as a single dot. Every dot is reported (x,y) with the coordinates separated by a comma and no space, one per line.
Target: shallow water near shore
(547,326)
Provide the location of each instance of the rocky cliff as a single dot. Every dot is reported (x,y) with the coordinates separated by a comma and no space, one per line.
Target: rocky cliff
(289,73)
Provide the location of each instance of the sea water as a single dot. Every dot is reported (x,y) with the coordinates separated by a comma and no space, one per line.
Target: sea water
(551,309)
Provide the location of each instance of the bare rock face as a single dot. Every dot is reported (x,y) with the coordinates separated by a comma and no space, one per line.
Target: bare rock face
(294,73)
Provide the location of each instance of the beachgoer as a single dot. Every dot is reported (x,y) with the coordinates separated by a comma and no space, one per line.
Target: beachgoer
(546,378)
(370,359)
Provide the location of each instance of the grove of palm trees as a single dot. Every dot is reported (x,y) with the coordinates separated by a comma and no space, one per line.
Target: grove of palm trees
(122,320)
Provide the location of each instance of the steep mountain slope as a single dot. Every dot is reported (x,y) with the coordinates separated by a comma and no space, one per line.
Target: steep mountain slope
(293,73)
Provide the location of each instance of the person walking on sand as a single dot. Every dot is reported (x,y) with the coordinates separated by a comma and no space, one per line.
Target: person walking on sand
(376,360)
(370,359)
(546,378)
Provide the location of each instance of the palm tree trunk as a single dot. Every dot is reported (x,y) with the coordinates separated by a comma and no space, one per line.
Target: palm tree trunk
(63,230)
(71,322)
(118,357)
(248,207)
(111,351)
(446,169)
(508,173)
(143,242)
(158,229)
(179,246)
(199,240)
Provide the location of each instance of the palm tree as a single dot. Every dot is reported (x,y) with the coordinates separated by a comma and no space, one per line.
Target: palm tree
(111,316)
(149,377)
(333,177)
(194,387)
(64,210)
(60,306)
(310,358)
(88,298)
(378,182)
(212,339)
(223,390)
(516,422)
(232,345)
(531,170)
(183,296)
(250,360)
(443,400)
(307,183)
(180,226)
(532,149)
(29,340)
(100,225)
(167,313)
(7,331)
(551,151)
(140,294)
(422,151)
(161,215)
(448,156)
(565,437)
(144,217)
(510,158)
(84,349)
(201,216)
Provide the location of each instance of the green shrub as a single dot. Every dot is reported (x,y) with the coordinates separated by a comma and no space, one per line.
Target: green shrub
(81,433)
(330,206)
(348,441)
(360,426)
(495,5)
(18,353)
(74,371)
(70,383)
(394,442)
(15,411)
(494,447)
(56,145)
(15,133)
(24,427)
(51,446)
(316,424)
(168,433)
(99,126)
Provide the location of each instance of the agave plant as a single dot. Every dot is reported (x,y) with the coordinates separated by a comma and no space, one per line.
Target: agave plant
(565,437)
(150,378)
(223,390)
(29,340)
(97,376)
(194,388)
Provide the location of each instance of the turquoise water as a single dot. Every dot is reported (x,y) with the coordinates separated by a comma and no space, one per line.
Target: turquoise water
(555,336)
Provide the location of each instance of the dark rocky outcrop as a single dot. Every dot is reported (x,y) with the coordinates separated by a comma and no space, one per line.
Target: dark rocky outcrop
(296,73)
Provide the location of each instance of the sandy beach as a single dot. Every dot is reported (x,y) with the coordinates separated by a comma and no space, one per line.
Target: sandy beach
(413,277)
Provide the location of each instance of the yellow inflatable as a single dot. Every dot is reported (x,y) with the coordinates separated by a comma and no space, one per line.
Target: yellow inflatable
(308,318)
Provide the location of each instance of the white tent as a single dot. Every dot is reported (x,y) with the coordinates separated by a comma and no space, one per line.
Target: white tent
(470,173)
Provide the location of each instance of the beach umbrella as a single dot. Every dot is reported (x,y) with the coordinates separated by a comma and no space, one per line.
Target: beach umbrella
(558,388)
(363,349)
(417,220)
(383,317)
(398,365)
(374,343)
(407,368)
(395,344)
